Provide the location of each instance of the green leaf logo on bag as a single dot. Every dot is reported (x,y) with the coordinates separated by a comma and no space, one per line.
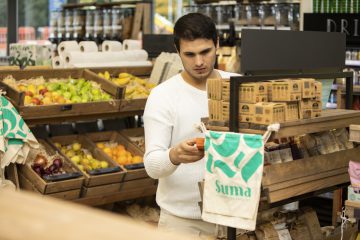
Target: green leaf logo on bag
(233,154)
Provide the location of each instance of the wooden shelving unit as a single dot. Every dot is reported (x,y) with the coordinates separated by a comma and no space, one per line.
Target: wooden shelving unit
(296,178)
(290,181)
(131,186)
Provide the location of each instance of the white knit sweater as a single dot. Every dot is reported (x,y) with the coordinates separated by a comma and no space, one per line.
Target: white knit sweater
(172,110)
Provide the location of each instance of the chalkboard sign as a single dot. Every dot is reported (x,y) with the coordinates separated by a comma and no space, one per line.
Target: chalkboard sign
(349,24)
(274,51)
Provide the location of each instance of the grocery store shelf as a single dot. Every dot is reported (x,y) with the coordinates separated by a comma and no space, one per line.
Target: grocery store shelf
(100,5)
(330,119)
(118,196)
(356,89)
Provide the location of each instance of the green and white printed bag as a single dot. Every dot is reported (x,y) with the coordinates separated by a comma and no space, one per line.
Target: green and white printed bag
(233,173)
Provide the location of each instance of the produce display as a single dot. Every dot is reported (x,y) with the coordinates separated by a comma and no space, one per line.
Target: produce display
(135,86)
(39,91)
(119,153)
(45,165)
(81,157)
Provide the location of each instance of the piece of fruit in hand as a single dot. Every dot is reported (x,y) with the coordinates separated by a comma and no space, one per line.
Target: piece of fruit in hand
(200,142)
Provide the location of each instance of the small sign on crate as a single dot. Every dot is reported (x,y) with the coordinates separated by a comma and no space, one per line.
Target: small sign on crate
(354,133)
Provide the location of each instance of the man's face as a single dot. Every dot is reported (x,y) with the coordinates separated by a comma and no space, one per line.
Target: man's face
(198,57)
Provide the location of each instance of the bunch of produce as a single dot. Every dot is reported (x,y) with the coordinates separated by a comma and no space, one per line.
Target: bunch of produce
(44,164)
(38,91)
(135,86)
(119,153)
(81,157)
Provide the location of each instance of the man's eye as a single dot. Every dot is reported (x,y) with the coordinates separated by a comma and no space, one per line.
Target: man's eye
(189,54)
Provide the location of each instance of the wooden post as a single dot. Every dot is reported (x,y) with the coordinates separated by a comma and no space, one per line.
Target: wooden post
(142,20)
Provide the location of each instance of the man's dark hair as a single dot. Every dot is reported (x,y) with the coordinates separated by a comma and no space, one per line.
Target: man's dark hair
(193,26)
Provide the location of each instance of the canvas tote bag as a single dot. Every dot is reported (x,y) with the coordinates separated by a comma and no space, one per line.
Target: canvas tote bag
(233,173)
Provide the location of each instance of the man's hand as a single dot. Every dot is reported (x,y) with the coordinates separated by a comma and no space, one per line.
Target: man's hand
(185,152)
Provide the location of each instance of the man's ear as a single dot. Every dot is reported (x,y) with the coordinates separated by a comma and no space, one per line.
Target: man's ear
(177,50)
(217,43)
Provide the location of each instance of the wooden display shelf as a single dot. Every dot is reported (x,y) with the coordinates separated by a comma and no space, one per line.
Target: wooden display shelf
(286,180)
(118,196)
(62,110)
(139,173)
(128,105)
(29,179)
(96,180)
(297,178)
(85,117)
(330,119)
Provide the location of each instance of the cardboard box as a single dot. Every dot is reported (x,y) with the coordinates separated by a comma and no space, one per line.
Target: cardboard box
(306,104)
(291,111)
(253,92)
(318,90)
(307,87)
(220,110)
(316,108)
(286,90)
(246,112)
(269,112)
(219,89)
(306,113)
(214,88)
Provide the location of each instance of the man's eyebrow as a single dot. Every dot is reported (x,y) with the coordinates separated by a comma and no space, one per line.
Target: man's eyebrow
(205,50)
(202,51)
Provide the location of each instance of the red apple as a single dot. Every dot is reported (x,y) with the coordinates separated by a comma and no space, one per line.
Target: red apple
(36,101)
(28,93)
(43,91)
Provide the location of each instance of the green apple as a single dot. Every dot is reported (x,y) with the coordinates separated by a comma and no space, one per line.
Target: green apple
(95,92)
(70,153)
(53,86)
(76,99)
(104,164)
(76,146)
(67,95)
(75,159)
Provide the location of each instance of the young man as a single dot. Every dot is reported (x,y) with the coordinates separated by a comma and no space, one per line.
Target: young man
(172,110)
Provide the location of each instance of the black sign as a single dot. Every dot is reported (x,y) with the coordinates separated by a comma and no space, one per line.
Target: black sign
(270,51)
(348,24)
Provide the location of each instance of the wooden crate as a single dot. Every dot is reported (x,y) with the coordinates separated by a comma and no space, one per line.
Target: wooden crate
(354,133)
(128,105)
(62,110)
(290,179)
(44,187)
(137,71)
(28,185)
(116,137)
(92,180)
(132,134)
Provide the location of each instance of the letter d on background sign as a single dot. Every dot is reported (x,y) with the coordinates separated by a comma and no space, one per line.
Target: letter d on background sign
(329,23)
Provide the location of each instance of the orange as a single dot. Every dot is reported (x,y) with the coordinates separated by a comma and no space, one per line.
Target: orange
(137,159)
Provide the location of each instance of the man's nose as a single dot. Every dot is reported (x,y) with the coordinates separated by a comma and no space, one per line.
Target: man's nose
(199,60)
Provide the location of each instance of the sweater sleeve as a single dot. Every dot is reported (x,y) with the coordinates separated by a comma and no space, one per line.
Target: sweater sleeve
(158,123)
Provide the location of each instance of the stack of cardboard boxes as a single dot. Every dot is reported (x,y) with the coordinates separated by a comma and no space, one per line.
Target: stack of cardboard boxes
(266,102)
